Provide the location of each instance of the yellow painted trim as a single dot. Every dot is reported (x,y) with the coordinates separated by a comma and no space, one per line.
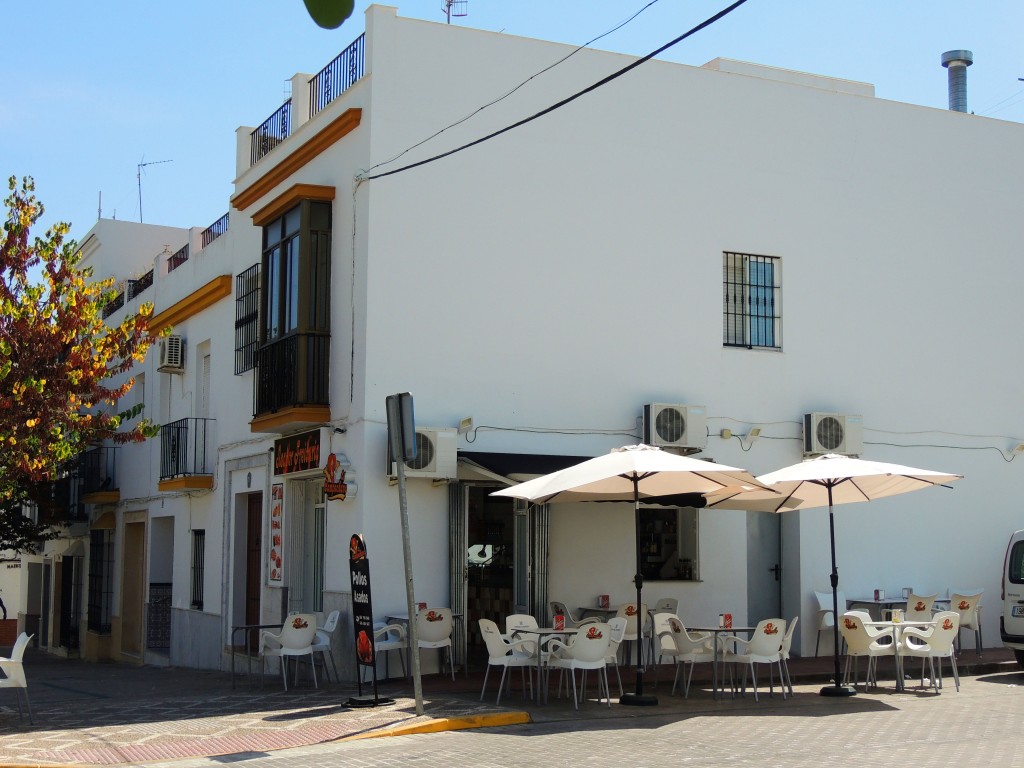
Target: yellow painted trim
(292,197)
(106,521)
(187,483)
(446,724)
(102,497)
(278,420)
(333,132)
(193,304)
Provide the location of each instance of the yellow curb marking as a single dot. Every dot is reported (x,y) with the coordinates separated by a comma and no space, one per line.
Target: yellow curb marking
(446,724)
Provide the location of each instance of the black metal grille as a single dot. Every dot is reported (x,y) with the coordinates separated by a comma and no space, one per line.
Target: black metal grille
(101,580)
(158,617)
(178,258)
(337,77)
(183,449)
(292,371)
(135,287)
(752,301)
(198,567)
(215,230)
(247,307)
(115,304)
(272,132)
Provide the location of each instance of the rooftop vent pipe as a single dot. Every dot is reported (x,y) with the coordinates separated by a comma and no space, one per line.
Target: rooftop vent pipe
(957,63)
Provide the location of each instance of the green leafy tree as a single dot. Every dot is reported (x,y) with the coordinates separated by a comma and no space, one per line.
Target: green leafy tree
(62,368)
(329,14)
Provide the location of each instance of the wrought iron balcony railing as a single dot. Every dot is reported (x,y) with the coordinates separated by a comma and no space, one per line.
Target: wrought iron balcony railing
(337,77)
(215,230)
(292,371)
(184,448)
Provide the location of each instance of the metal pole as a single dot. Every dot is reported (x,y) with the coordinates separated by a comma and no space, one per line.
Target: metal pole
(410,591)
(836,689)
(638,699)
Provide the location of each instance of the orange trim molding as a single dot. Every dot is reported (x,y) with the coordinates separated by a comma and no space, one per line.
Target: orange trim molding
(106,521)
(187,483)
(102,497)
(193,304)
(292,197)
(333,132)
(290,417)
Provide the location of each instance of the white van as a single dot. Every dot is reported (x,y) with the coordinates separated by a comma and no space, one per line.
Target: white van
(1011,623)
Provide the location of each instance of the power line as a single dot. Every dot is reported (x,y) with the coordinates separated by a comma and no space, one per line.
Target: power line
(558,105)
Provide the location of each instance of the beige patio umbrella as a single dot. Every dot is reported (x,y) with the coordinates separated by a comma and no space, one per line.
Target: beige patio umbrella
(826,481)
(633,473)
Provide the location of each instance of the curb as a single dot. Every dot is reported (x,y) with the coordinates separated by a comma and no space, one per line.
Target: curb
(446,724)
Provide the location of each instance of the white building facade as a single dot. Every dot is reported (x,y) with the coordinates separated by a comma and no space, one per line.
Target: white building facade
(744,244)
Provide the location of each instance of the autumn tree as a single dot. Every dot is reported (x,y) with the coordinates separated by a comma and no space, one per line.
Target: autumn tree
(63,370)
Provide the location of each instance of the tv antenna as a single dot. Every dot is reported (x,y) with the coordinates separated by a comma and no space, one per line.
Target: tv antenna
(138,175)
(454,8)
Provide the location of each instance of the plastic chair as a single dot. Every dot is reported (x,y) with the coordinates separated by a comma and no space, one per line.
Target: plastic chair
(826,619)
(560,608)
(919,607)
(322,643)
(434,630)
(787,645)
(862,640)
(294,640)
(683,646)
(763,647)
(522,621)
(14,673)
(503,652)
(933,643)
(632,613)
(617,629)
(587,650)
(664,605)
(968,605)
(387,638)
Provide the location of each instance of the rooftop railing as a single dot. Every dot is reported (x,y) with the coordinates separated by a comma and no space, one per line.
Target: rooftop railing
(135,287)
(178,258)
(337,77)
(215,230)
(272,132)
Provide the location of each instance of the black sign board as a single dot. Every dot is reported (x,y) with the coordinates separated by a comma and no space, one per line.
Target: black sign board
(362,610)
(297,453)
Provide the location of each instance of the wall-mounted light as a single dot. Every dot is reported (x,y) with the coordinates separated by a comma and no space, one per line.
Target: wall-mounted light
(465,425)
(748,439)
(1018,450)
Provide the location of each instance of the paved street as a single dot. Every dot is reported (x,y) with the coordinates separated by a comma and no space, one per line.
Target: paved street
(983,725)
(116,714)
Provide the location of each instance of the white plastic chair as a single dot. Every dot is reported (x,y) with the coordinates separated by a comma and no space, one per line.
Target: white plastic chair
(664,605)
(919,607)
(560,608)
(787,646)
(14,673)
(683,646)
(587,650)
(863,640)
(322,643)
(387,638)
(434,630)
(633,614)
(763,647)
(826,619)
(503,652)
(968,605)
(522,621)
(294,640)
(933,643)
(617,629)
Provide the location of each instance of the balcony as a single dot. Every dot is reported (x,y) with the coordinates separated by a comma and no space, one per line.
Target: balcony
(185,456)
(97,476)
(291,383)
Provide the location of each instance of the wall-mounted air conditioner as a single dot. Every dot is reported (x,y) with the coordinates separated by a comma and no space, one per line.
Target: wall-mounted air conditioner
(833,433)
(436,455)
(675,426)
(172,354)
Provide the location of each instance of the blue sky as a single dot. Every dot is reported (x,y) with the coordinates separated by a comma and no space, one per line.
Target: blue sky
(94,89)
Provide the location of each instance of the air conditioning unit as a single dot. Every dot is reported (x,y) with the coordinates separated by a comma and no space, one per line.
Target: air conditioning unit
(833,433)
(675,426)
(436,455)
(172,355)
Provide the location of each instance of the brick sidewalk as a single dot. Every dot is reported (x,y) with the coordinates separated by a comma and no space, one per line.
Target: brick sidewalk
(104,714)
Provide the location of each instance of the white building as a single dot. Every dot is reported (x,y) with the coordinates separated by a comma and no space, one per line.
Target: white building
(548,283)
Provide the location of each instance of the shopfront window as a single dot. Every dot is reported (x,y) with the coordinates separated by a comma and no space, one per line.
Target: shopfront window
(669,544)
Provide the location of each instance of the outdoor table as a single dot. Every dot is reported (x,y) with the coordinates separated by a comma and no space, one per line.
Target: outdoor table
(886,603)
(603,613)
(541,633)
(896,626)
(248,656)
(716,631)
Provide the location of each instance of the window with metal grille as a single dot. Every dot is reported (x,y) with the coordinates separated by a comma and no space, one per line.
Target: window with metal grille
(198,567)
(752,301)
(247,307)
(101,580)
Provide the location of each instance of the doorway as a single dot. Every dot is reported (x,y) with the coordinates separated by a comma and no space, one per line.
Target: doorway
(133,581)
(764,566)
(253,564)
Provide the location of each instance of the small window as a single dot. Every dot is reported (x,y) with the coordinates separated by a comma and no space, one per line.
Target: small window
(198,568)
(668,544)
(1015,565)
(752,301)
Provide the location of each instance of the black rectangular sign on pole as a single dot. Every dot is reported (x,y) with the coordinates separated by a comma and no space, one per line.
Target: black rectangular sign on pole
(362,620)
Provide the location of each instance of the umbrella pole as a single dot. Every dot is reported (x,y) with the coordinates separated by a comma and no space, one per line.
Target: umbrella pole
(638,699)
(836,689)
